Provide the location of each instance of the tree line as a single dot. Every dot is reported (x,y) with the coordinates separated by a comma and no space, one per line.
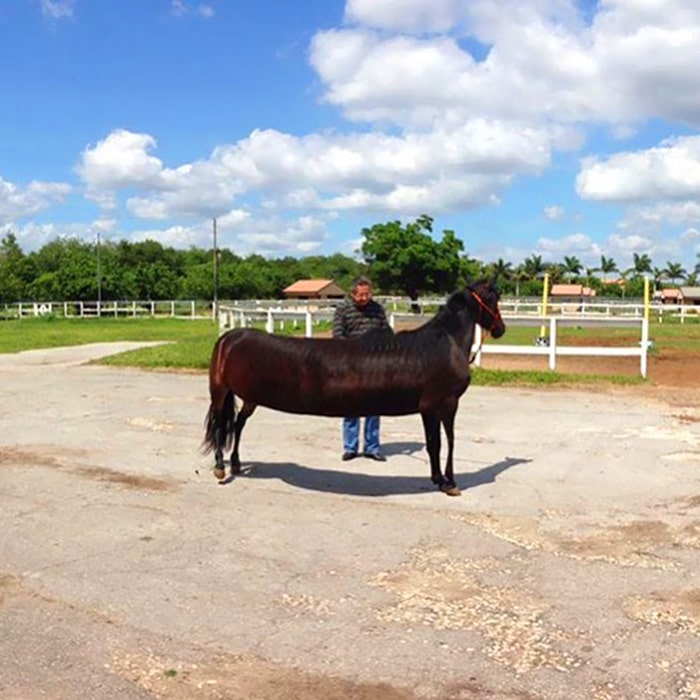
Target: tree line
(402,259)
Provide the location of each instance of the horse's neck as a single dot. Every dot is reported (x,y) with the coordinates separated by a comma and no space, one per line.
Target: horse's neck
(461,331)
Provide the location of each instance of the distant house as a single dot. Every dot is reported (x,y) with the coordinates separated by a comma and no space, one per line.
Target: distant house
(669,296)
(570,292)
(690,295)
(314,289)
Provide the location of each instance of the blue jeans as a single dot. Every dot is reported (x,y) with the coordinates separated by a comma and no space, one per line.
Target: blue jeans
(351,434)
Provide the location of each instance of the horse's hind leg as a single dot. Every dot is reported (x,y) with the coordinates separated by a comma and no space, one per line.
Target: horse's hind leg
(221,414)
(245,412)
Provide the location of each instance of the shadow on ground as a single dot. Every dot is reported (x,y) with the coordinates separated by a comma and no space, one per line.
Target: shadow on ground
(357,483)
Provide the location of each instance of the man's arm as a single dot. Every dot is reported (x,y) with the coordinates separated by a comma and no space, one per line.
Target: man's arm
(339,330)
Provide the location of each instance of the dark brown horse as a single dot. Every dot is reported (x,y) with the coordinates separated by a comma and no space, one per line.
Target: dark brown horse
(424,371)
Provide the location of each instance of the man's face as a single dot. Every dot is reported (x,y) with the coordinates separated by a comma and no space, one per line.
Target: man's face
(362,294)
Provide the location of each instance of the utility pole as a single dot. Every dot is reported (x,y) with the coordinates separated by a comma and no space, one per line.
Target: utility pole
(99,278)
(215,306)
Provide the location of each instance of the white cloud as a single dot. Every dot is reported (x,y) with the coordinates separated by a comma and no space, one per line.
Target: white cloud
(57,9)
(19,202)
(553,212)
(404,15)
(120,160)
(180,8)
(671,170)
(543,59)
(441,171)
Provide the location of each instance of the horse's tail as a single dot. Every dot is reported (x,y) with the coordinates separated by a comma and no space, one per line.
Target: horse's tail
(219,425)
(221,417)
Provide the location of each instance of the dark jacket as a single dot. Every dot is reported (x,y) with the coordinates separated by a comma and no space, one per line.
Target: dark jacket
(350,320)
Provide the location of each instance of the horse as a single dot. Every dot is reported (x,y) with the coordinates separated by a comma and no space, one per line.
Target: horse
(424,370)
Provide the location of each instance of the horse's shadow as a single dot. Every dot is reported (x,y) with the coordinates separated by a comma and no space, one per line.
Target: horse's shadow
(356,483)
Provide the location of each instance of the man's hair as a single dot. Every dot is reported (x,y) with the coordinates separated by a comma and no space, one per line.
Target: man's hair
(360,281)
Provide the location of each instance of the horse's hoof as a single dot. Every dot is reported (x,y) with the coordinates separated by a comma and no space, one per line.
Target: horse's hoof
(451,490)
(219,473)
(236,468)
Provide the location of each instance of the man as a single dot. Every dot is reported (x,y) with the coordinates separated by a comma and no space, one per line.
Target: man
(352,318)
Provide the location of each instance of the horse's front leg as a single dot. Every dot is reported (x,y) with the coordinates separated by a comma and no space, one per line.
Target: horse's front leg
(448,422)
(431,428)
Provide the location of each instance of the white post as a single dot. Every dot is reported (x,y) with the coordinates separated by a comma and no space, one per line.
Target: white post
(645,347)
(309,324)
(552,343)
(392,320)
(477,341)
(270,323)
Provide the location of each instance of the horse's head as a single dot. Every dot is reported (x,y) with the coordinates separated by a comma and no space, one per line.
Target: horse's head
(486,296)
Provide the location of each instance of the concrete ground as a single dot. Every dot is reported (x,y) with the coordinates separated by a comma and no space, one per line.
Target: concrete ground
(569,568)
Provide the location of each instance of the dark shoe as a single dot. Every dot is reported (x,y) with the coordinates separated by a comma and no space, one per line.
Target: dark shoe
(347,456)
(377,456)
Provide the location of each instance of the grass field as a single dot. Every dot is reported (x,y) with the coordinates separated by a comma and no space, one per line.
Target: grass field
(190,343)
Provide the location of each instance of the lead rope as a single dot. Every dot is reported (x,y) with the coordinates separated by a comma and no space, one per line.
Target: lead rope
(484,331)
(481,345)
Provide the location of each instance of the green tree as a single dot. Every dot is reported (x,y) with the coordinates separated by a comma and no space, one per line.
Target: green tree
(14,269)
(572,267)
(533,267)
(408,259)
(501,272)
(674,272)
(607,266)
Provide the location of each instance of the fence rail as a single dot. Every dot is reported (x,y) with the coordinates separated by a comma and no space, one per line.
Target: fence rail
(276,318)
(115,309)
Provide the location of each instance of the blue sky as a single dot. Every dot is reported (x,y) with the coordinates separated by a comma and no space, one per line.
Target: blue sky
(545,127)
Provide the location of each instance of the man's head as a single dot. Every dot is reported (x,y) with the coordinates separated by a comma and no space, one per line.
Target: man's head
(361,291)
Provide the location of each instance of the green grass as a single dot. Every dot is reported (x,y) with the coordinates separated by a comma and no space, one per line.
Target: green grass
(190,344)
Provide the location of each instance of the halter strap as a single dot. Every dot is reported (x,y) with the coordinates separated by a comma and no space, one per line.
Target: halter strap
(495,315)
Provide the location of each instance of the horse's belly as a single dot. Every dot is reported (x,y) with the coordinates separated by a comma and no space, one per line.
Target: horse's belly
(367,402)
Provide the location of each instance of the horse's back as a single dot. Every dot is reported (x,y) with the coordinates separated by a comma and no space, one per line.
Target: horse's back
(376,374)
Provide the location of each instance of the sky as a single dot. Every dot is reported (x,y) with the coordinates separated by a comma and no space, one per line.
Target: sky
(529,127)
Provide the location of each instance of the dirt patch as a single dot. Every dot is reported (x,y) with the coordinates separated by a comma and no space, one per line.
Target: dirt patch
(20,458)
(677,609)
(242,677)
(437,590)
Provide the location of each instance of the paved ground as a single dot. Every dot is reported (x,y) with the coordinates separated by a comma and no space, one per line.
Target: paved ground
(569,568)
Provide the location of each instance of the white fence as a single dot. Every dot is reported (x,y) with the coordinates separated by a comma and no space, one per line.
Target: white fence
(82,309)
(552,349)
(277,318)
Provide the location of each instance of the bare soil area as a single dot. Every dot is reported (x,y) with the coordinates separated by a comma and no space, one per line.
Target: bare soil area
(569,568)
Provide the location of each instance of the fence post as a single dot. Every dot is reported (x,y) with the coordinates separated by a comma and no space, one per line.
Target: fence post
(552,343)
(270,323)
(309,324)
(478,335)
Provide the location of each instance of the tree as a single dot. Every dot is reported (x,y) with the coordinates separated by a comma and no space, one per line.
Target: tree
(533,267)
(674,271)
(641,264)
(408,259)
(572,266)
(500,271)
(607,266)
(13,269)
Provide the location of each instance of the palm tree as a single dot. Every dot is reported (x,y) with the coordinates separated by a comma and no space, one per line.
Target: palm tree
(572,266)
(556,272)
(500,271)
(642,263)
(533,267)
(607,266)
(675,271)
(519,275)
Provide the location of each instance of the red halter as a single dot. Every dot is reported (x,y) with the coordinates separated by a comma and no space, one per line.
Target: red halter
(495,316)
